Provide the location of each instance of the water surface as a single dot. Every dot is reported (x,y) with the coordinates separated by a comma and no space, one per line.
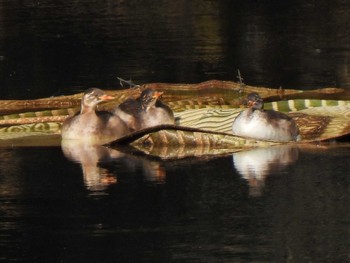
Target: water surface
(244,207)
(49,48)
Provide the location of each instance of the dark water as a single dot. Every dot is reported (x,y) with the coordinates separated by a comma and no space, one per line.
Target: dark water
(49,47)
(266,205)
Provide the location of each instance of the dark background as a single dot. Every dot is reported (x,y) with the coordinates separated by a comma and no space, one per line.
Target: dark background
(60,47)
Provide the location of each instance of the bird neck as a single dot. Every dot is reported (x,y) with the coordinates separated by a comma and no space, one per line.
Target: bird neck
(86,109)
(146,107)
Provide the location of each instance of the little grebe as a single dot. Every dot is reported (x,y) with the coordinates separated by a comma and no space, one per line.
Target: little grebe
(257,123)
(145,111)
(96,127)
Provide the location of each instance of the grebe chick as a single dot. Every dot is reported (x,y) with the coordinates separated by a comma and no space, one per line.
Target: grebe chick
(257,123)
(145,111)
(96,127)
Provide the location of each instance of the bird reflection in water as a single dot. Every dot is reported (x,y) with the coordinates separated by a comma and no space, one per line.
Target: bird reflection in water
(94,159)
(153,171)
(96,179)
(255,165)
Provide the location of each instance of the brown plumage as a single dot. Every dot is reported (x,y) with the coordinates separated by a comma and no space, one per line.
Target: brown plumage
(97,127)
(145,111)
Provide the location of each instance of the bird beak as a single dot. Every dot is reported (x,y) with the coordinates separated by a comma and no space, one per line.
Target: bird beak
(157,94)
(249,103)
(106,97)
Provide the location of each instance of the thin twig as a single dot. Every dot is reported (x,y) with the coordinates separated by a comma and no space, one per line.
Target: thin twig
(129,82)
(241,83)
